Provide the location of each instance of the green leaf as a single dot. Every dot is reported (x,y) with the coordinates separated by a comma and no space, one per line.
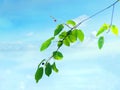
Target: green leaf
(80,35)
(57,55)
(73,36)
(100,42)
(48,69)
(102,29)
(39,74)
(74,32)
(71,22)
(114,30)
(60,43)
(54,67)
(62,35)
(46,44)
(58,29)
(66,41)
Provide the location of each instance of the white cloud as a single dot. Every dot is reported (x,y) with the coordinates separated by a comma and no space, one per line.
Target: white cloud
(31,46)
(89,50)
(18,46)
(93,34)
(29,34)
(81,18)
(96,78)
(82,71)
(8,71)
(85,78)
(79,74)
(30,77)
(22,85)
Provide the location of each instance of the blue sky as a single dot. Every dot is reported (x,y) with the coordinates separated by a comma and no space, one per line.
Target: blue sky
(25,24)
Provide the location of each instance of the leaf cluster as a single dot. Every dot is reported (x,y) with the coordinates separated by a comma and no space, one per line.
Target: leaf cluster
(105,28)
(45,68)
(67,38)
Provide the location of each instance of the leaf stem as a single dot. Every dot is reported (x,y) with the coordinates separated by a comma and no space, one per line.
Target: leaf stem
(111,22)
(41,63)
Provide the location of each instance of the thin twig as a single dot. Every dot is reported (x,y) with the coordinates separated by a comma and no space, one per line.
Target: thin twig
(111,18)
(67,25)
(96,14)
(41,63)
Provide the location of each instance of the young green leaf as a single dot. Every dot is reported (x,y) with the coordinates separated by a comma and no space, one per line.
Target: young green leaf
(102,29)
(48,69)
(74,32)
(54,67)
(63,34)
(58,29)
(73,36)
(46,44)
(100,42)
(60,43)
(66,41)
(39,74)
(57,55)
(80,35)
(114,30)
(71,22)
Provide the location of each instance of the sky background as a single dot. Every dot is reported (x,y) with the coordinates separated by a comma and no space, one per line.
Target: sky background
(25,24)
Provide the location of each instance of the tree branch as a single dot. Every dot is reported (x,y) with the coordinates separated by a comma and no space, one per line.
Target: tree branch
(112,5)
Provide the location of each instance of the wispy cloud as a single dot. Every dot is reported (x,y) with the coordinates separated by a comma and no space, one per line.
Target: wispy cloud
(81,18)
(88,79)
(18,46)
(29,34)
(89,50)
(22,85)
